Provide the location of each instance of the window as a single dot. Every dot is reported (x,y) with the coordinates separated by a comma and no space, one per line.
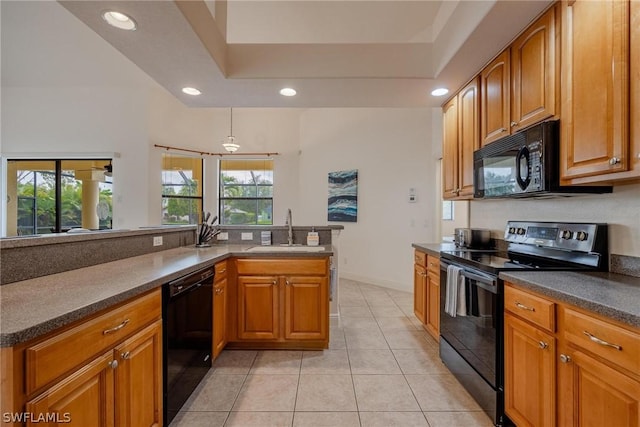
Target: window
(246,192)
(181,189)
(447,210)
(53,196)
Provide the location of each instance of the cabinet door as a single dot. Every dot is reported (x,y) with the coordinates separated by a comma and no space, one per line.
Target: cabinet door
(419,292)
(635,88)
(595,89)
(258,308)
(593,394)
(219,316)
(529,374)
(468,136)
(432,317)
(495,95)
(306,308)
(138,381)
(85,398)
(533,75)
(450,149)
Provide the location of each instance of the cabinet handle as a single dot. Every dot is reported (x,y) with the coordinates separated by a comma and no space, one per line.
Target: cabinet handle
(524,307)
(222,271)
(614,161)
(113,364)
(514,124)
(117,328)
(503,129)
(601,342)
(219,291)
(275,282)
(564,358)
(543,345)
(287,283)
(125,355)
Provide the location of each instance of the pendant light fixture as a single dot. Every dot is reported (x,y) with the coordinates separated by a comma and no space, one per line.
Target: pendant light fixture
(230,144)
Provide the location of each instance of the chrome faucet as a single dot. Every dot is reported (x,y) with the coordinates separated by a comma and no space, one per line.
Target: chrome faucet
(289,223)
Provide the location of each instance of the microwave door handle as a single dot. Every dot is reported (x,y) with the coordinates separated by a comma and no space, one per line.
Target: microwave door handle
(523,153)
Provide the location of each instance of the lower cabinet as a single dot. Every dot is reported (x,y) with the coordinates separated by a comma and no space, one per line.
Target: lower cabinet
(529,374)
(582,370)
(432,315)
(121,385)
(283,302)
(426,292)
(220,308)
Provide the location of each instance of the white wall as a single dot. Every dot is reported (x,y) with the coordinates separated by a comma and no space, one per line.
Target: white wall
(391,148)
(621,210)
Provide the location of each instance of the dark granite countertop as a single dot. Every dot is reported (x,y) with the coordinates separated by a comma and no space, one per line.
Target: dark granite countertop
(32,308)
(612,295)
(434,249)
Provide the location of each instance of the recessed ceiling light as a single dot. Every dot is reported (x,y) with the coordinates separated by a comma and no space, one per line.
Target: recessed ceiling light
(287,91)
(119,20)
(191,91)
(440,91)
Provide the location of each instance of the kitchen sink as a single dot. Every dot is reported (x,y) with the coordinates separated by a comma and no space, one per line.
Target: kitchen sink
(286,249)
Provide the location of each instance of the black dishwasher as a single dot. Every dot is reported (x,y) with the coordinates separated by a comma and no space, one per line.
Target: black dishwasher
(187,334)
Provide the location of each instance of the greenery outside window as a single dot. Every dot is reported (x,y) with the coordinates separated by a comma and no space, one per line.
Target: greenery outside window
(53,196)
(181,189)
(246,192)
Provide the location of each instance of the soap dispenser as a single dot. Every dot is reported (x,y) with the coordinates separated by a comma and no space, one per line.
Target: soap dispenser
(313,239)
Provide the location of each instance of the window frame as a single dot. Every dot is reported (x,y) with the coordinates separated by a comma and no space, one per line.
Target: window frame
(168,197)
(257,199)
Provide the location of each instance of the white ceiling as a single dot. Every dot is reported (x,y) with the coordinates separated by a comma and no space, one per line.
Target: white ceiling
(335,53)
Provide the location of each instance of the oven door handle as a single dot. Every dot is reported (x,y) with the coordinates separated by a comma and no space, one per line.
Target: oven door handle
(478,277)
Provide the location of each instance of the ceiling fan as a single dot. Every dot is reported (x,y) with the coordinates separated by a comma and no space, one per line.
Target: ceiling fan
(107,169)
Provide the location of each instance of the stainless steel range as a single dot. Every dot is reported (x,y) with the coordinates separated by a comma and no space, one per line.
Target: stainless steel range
(472,298)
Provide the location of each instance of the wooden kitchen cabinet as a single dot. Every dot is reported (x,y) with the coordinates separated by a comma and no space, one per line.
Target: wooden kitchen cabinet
(518,88)
(592,377)
(534,72)
(495,95)
(529,374)
(103,371)
(432,315)
(460,140)
(220,308)
(595,89)
(426,292)
(282,303)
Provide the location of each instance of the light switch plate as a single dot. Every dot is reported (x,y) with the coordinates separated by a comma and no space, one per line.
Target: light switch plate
(223,236)
(246,236)
(157,241)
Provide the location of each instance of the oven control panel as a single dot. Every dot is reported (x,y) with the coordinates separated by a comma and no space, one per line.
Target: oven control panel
(581,237)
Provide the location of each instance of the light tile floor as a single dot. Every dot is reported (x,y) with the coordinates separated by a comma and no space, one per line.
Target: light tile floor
(381,370)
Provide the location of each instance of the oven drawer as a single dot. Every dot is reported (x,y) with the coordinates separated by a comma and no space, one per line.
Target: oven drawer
(420,258)
(536,310)
(433,264)
(614,343)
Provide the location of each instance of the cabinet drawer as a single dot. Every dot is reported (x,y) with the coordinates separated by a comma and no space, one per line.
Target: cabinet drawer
(220,270)
(433,264)
(420,258)
(61,353)
(613,343)
(530,307)
(256,266)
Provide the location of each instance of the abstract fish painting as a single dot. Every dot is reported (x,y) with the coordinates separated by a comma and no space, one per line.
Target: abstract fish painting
(343,196)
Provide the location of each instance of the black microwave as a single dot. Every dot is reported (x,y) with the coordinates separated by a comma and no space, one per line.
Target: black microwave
(525,164)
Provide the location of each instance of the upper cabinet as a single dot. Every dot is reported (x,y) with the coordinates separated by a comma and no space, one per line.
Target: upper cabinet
(534,73)
(595,140)
(461,139)
(494,81)
(518,87)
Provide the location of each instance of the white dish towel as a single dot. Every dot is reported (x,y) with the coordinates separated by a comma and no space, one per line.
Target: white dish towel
(452,291)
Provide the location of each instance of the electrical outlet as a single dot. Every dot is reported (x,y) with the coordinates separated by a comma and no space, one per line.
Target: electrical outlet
(246,236)
(223,236)
(157,241)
